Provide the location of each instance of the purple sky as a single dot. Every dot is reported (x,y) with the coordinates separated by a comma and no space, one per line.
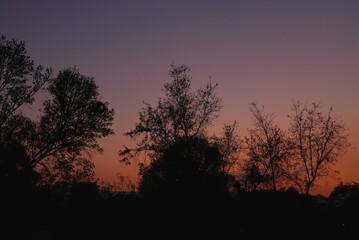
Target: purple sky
(272,51)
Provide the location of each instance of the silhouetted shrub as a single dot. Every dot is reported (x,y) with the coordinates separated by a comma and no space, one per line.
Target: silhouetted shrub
(189,168)
(16,174)
(345,198)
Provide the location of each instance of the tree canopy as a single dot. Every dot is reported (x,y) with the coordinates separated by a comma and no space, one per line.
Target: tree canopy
(319,138)
(72,118)
(188,168)
(20,79)
(180,113)
(171,133)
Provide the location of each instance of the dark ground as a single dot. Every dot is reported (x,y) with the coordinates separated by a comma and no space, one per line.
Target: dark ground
(243,215)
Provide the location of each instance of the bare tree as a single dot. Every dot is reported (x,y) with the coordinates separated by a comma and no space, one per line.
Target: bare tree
(268,150)
(230,146)
(319,139)
(181,113)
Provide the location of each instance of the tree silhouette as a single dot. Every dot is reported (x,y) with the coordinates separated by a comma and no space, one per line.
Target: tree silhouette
(229,145)
(20,80)
(345,194)
(72,121)
(345,199)
(185,164)
(15,170)
(69,168)
(187,168)
(319,139)
(268,151)
(180,114)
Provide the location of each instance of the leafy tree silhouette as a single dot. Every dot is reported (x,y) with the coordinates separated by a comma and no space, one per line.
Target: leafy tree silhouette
(180,114)
(189,168)
(59,146)
(16,171)
(20,79)
(345,198)
(173,136)
(72,121)
(345,194)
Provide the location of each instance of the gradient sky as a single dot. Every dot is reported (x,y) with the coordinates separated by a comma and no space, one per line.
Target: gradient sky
(272,51)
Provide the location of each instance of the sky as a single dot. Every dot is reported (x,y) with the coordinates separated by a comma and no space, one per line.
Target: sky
(271,51)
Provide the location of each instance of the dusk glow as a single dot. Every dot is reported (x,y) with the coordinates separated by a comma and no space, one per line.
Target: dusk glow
(270,51)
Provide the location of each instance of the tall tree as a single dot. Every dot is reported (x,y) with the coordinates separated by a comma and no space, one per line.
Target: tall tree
(319,139)
(181,113)
(267,148)
(73,119)
(20,79)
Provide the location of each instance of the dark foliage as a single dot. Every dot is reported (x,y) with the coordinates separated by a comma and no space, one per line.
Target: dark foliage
(16,174)
(345,198)
(73,119)
(188,168)
(180,113)
(86,213)
(184,189)
(20,79)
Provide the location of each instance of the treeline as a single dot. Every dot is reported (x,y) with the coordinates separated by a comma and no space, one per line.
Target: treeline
(172,135)
(79,211)
(55,146)
(183,158)
(189,181)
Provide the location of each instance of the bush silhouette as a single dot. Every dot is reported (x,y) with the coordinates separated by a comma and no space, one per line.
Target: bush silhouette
(188,168)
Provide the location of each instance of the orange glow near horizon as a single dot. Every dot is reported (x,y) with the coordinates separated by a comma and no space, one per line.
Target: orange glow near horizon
(347,165)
